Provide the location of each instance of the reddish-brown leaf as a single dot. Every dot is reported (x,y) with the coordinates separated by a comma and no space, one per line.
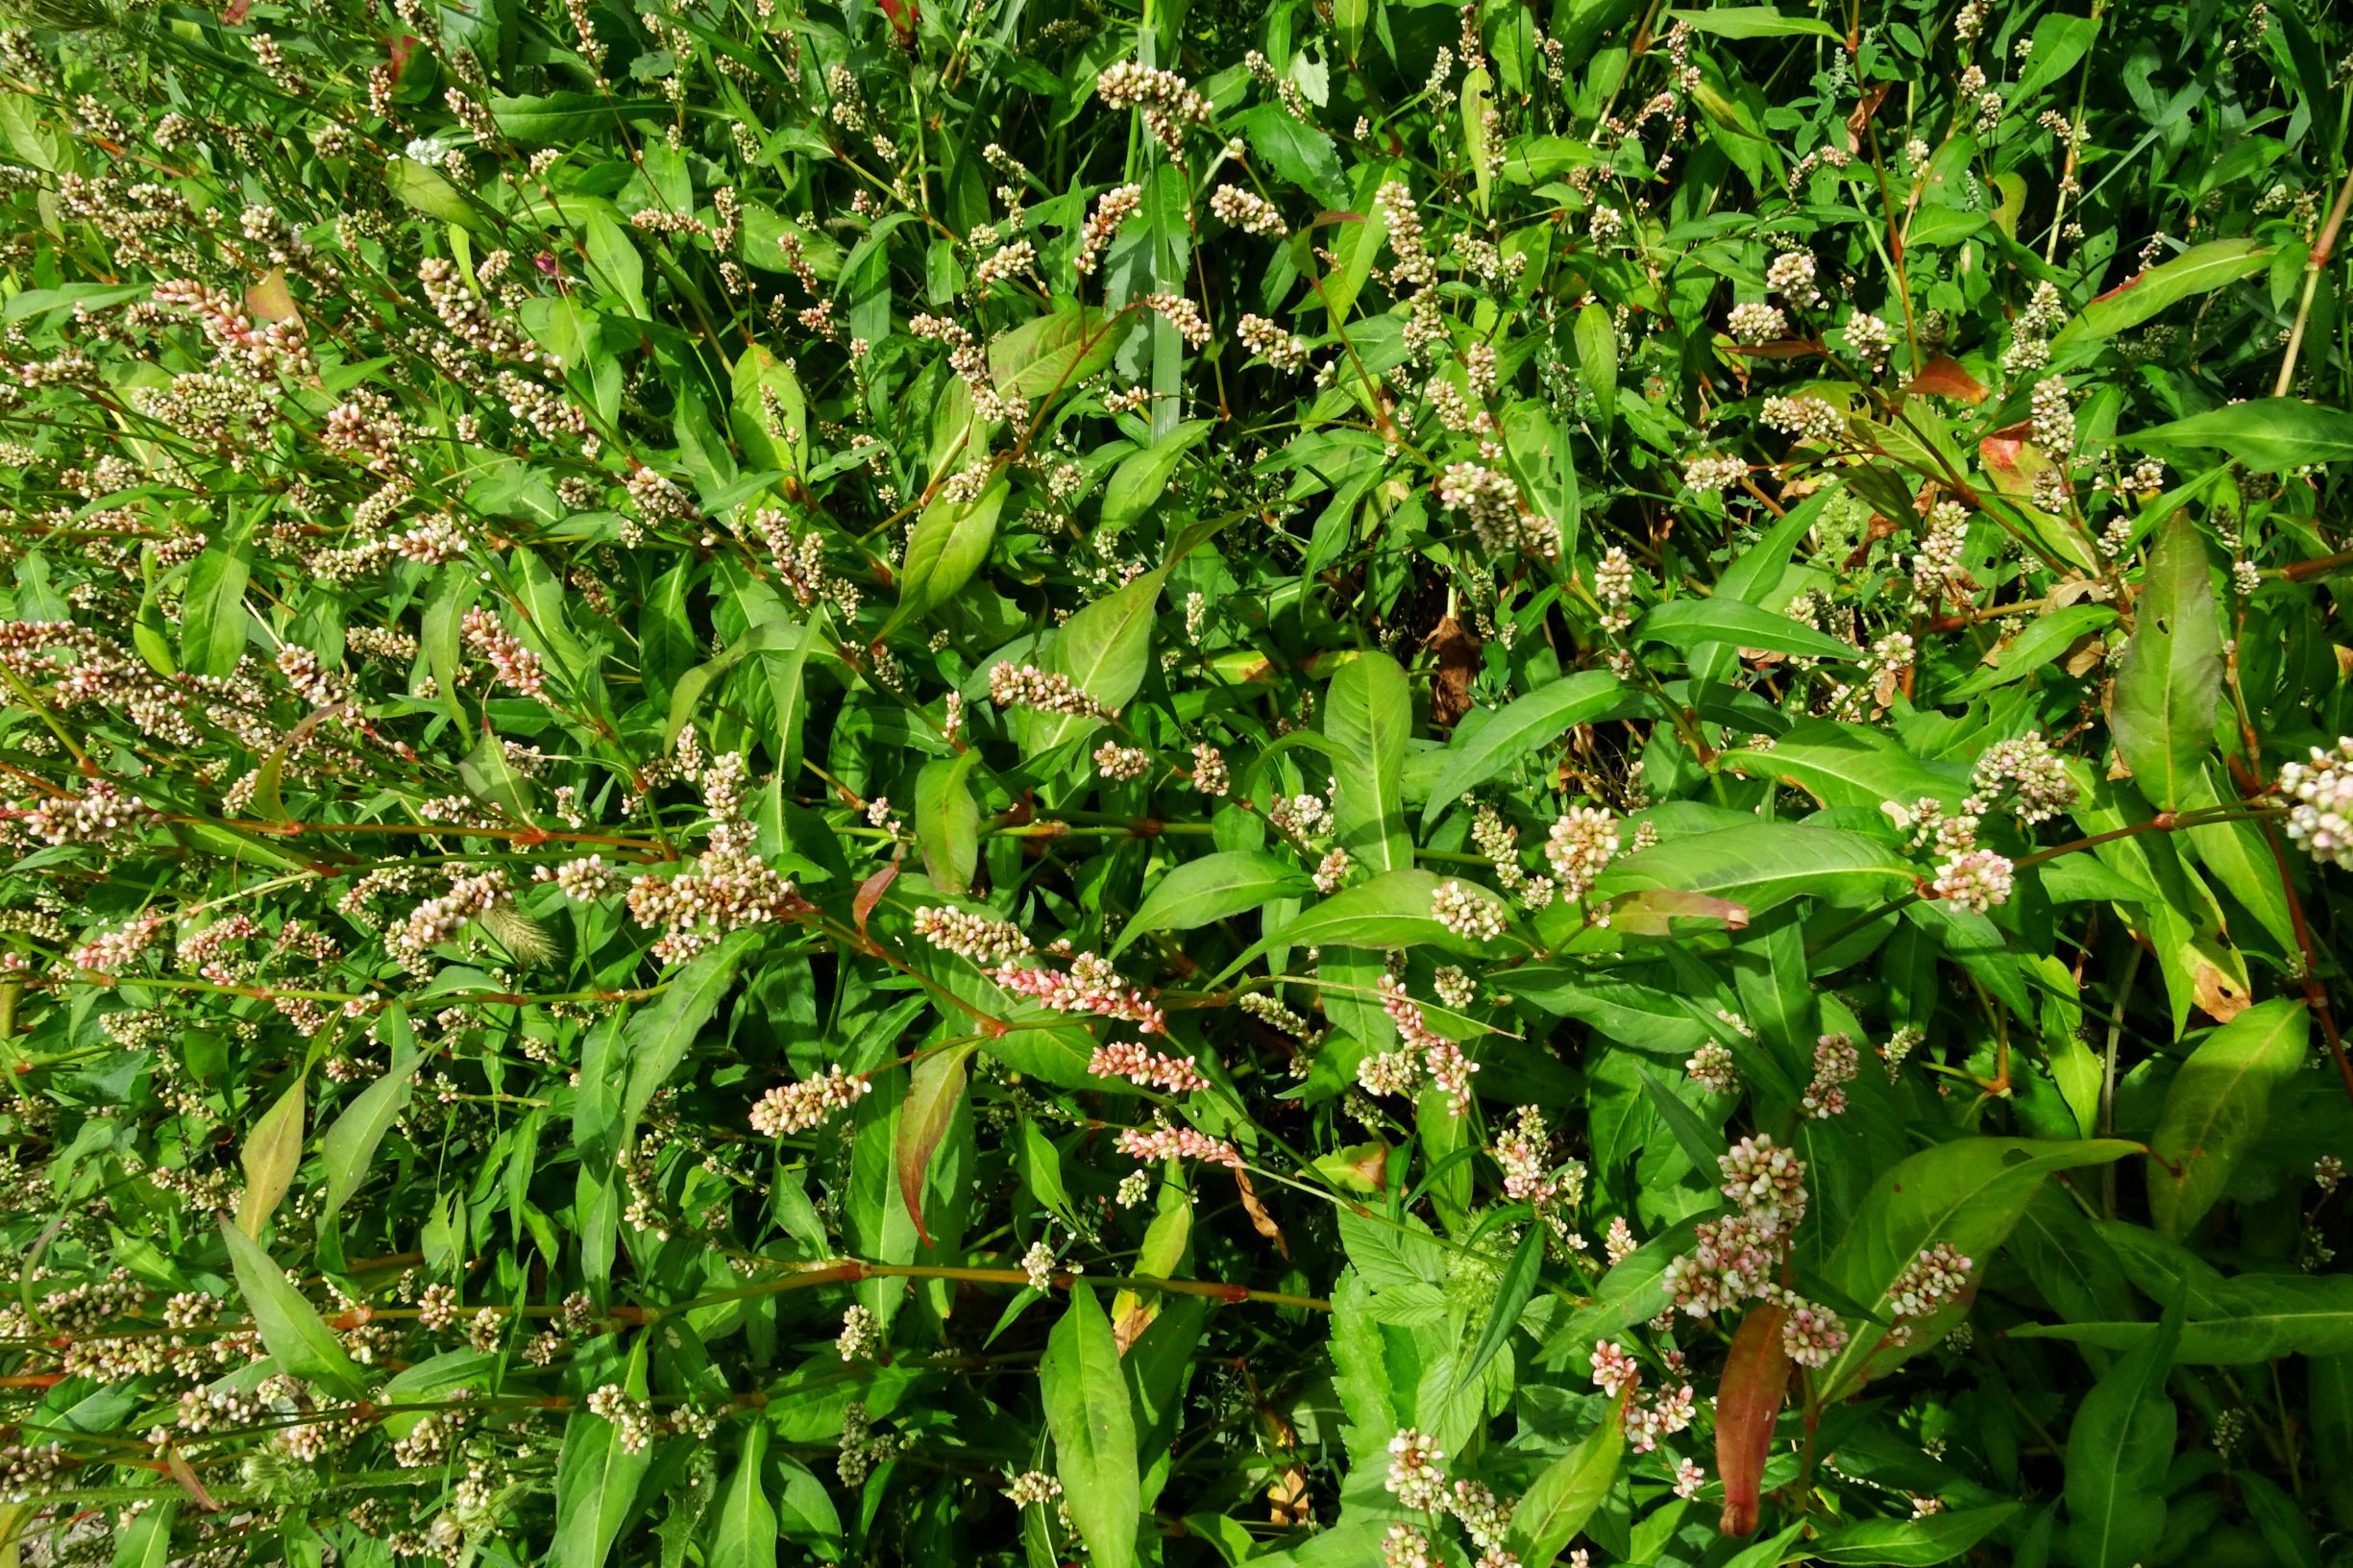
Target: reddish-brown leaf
(931,1104)
(1944,378)
(1755,1377)
(1260,1219)
(870,894)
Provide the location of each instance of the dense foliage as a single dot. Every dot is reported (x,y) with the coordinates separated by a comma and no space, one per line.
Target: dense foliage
(1343,784)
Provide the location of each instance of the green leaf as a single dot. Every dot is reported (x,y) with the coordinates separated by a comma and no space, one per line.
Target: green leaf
(495,781)
(1596,357)
(1704,1145)
(2118,1450)
(758,372)
(614,264)
(1528,724)
(1087,1410)
(1296,151)
(1477,99)
(951,541)
(1354,248)
(2235,1322)
(932,1094)
(2268,434)
(659,1035)
(1969,1192)
(1392,910)
(947,822)
(746,1533)
(273,1151)
(1106,648)
(1567,1492)
(1213,888)
(1846,764)
(212,612)
(1762,865)
(1368,713)
(1754,22)
(1511,1296)
(1909,1543)
(1056,352)
(2171,677)
(1136,485)
(2201,269)
(1688,622)
(2035,649)
(290,1328)
(595,1488)
(2215,1108)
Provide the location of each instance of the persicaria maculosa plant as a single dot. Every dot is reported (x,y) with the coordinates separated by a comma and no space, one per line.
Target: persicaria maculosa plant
(1313,784)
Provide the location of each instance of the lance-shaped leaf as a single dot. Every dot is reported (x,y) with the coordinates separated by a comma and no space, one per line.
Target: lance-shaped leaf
(2171,677)
(1566,1493)
(1763,865)
(1367,712)
(1688,622)
(1094,1430)
(947,822)
(1910,1543)
(2271,434)
(951,541)
(1526,726)
(1970,1193)
(2215,1108)
(2117,1449)
(1213,888)
(1747,1403)
(289,1326)
(1392,910)
(1105,650)
(2201,269)
(931,1105)
(1846,764)
(747,1533)
(273,1151)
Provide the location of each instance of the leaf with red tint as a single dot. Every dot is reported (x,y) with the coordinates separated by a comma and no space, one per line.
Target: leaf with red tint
(1788,348)
(870,894)
(1943,377)
(234,12)
(401,48)
(931,1104)
(903,16)
(1755,1377)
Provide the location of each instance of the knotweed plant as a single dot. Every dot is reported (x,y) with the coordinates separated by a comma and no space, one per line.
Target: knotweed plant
(1301,784)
